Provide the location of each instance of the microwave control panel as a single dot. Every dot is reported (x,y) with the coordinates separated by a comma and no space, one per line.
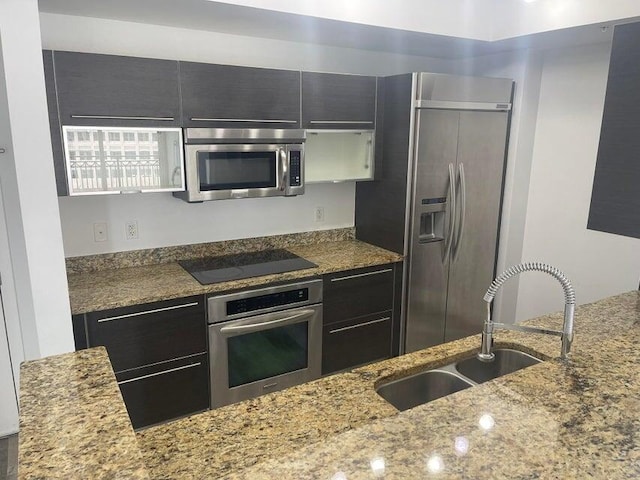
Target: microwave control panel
(294,168)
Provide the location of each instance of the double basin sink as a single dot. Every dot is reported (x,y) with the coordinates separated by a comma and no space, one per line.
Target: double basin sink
(423,387)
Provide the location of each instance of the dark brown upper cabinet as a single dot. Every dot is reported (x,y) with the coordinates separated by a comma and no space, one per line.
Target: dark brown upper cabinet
(54,124)
(239,97)
(615,199)
(335,101)
(110,90)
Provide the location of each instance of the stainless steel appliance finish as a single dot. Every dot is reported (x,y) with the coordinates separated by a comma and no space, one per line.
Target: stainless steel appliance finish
(264,340)
(458,164)
(243,163)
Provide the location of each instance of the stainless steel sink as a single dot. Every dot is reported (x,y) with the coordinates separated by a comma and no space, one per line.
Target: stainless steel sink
(506,361)
(423,387)
(430,385)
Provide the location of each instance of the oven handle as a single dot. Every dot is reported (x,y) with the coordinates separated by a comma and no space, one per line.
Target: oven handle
(277,322)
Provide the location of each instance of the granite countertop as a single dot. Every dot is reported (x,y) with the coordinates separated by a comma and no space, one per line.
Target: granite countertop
(73,422)
(559,419)
(111,288)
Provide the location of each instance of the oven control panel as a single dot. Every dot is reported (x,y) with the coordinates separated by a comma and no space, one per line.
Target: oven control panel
(262,302)
(247,303)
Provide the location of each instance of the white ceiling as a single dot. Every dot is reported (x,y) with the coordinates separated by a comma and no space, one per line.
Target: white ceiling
(447,32)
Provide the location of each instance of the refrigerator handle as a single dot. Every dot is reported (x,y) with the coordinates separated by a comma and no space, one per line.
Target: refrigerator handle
(452,213)
(463,210)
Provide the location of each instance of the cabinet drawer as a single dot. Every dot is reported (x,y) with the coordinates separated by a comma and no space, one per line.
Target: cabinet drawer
(151,333)
(356,341)
(355,293)
(165,391)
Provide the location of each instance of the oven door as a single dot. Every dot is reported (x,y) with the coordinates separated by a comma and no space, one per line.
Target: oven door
(216,172)
(264,353)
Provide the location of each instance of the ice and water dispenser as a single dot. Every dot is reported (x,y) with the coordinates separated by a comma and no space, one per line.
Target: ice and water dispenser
(432,219)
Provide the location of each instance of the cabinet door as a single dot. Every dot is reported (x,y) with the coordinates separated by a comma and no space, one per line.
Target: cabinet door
(54,124)
(146,334)
(109,90)
(161,392)
(615,199)
(356,342)
(356,293)
(239,97)
(338,101)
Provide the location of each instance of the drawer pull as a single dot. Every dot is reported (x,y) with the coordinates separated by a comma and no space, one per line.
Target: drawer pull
(358,275)
(242,120)
(122,117)
(351,327)
(142,377)
(341,122)
(165,309)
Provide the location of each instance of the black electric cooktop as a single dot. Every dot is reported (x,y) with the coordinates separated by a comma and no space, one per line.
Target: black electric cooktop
(244,265)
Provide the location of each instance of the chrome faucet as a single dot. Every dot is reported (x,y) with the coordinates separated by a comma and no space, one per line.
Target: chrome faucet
(485,354)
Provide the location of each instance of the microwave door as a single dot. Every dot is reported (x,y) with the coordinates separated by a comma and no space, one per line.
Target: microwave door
(233,171)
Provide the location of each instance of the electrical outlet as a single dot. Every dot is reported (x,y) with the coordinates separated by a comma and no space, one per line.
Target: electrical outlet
(100,233)
(131,230)
(319,214)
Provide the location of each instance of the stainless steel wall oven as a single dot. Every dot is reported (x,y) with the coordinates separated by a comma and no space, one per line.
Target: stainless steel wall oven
(264,340)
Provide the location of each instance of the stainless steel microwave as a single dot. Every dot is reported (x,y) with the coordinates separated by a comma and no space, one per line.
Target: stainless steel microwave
(223,163)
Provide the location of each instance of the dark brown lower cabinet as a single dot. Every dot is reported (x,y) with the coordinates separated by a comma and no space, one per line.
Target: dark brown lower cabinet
(159,392)
(360,316)
(356,341)
(158,352)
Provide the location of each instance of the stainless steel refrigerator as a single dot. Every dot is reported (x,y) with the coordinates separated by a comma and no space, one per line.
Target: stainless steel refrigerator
(457,159)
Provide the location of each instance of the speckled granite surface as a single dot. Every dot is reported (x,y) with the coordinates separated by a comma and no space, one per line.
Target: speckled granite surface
(73,424)
(557,420)
(104,289)
(154,256)
(578,419)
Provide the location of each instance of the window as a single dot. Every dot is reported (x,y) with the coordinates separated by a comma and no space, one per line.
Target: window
(70,136)
(114,136)
(143,137)
(84,136)
(129,136)
(130,155)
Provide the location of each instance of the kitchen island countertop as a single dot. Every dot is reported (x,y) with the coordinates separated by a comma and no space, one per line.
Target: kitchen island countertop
(557,419)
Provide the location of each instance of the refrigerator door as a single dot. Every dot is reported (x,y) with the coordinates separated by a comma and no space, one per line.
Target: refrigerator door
(435,154)
(481,151)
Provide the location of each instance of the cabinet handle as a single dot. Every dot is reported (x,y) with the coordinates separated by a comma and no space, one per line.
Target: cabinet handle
(345,122)
(122,117)
(156,310)
(351,327)
(245,120)
(2,150)
(358,275)
(142,377)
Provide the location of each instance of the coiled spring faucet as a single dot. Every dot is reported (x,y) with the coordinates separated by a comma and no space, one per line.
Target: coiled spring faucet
(486,355)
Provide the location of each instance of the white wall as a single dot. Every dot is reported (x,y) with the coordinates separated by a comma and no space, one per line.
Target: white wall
(164,220)
(564,156)
(28,186)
